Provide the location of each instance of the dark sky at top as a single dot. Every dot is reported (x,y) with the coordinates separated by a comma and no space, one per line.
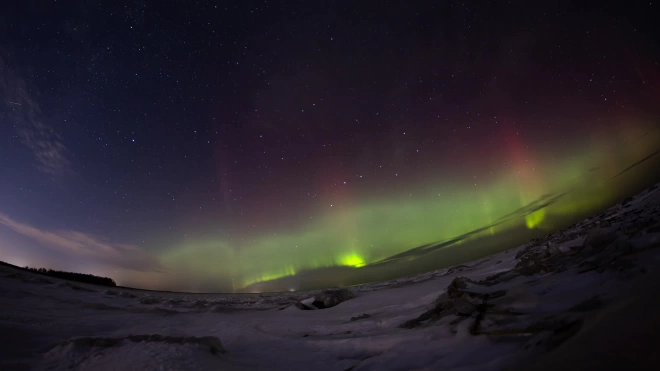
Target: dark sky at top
(133,134)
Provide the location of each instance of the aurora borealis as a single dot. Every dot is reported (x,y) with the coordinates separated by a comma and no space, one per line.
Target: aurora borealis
(259,147)
(368,232)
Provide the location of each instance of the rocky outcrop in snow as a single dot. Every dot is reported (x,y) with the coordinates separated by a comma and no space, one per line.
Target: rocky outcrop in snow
(326,299)
(505,306)
(459,300)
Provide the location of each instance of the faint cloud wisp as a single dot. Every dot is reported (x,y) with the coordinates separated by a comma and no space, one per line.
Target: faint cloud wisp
(44,142)
(87,246)
(47,147)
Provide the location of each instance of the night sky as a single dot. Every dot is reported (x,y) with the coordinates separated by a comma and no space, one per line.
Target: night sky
(210,146)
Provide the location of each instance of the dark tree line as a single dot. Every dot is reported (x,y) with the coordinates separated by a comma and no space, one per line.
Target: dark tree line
(79,277)
(71,276)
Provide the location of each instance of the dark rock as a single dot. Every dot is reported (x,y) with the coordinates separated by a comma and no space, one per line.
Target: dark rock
(199,304)
(553,249)
(330,298)
(222,308)
(464,307)
(459,286)
(361,316)
(147,300)
(587,266)
(457,268)
(302,306)
(442,308)
(530,267)
(597,238)
(563,332)
(571,250)
(458,302)
(455,287)
(100,306)
(481,313)
(626,201)
(499,278)
(522,252)
(588,305)
(156,311)
(81,288)
(491,295)
(126,294)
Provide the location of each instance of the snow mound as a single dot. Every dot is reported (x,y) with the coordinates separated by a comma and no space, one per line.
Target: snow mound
(136,352)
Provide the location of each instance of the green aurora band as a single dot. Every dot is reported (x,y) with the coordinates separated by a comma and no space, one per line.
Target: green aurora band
(370,230)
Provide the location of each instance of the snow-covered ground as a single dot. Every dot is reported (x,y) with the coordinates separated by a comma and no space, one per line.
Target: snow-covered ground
(563,298)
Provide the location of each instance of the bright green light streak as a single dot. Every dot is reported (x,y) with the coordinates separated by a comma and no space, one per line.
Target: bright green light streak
(362,233)
(535,219)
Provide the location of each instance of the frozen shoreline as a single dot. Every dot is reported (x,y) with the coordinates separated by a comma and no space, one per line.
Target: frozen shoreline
(503,311)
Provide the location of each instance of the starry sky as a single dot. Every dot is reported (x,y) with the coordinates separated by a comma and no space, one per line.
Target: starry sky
(251,146)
